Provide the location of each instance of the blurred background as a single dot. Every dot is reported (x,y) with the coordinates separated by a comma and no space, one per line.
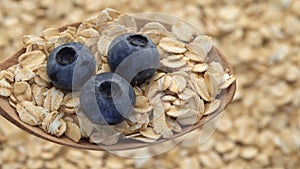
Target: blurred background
(260,129)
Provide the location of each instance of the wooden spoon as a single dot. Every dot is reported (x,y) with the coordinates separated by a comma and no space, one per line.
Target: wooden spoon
(11,115)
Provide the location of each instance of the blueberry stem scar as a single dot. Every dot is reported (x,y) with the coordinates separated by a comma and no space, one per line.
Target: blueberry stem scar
(138,40)
(110,89)
(66,55)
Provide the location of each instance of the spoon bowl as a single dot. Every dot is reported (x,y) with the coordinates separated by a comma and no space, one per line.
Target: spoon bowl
(11,115)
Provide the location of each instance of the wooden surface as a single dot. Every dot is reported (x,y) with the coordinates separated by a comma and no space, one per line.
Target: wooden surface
(10,113)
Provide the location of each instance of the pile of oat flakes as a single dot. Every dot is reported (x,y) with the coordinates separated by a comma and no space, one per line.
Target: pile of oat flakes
(258,130)
(185,87)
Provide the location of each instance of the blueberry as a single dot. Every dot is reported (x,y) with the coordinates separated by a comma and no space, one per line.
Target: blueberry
(107,98)
(134,57)
(70,65)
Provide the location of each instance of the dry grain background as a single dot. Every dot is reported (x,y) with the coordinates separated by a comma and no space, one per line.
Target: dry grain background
(260,129)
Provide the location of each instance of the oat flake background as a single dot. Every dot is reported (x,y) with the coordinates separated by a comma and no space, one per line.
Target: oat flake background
(260,129)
